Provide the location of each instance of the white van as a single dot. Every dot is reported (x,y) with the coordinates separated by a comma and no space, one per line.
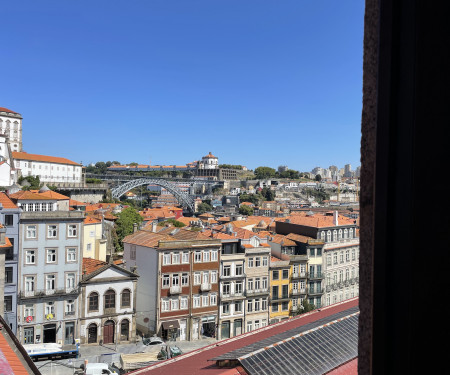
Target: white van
(99,369)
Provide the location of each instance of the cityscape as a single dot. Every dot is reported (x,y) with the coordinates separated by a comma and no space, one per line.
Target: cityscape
(186,187)
(106,256)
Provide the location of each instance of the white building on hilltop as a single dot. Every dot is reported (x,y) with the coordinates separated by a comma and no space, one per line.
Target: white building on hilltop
(8,175)
(209,162)
(11,126)
(50,169)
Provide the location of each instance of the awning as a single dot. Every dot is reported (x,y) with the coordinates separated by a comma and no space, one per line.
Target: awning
(171,324)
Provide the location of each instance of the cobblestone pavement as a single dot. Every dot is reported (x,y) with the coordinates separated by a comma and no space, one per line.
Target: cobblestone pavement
(110,354)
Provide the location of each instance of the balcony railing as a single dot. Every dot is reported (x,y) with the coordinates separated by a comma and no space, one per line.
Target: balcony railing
(175,289)
(228,296)
(315,275)
(314,291)
(298,292)
(301,275)
(40,293)
(256,292)
(205,287)
(280,298)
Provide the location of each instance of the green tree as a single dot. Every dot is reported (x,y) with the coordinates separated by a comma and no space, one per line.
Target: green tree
(203,207)
(100,167)
(246,210)
(264,172)
(252,198)
(304,307)
(124,224)
(175,223)
(268,194)
(34,181)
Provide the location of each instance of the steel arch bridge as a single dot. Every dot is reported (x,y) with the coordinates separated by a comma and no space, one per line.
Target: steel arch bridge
(183,198)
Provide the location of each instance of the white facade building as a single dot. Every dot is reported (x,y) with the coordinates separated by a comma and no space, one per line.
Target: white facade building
(11,126)
(8,174)
(209,162)
(50,169)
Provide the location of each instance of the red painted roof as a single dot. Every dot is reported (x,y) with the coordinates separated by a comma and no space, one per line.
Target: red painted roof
(198,362)
(3,109)
(6,202)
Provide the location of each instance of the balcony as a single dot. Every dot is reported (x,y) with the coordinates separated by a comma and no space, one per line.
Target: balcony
(282,298)
(298,292)
(298,258)
(256,292)
(316,291)
(235,276)
(175,289)
(315,275)
(205,287)
(301,275)
(230,296)
(41,293)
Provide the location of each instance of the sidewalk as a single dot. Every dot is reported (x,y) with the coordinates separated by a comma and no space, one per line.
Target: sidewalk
(111,354)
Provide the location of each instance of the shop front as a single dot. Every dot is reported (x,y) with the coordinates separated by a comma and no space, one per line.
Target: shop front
(169,330)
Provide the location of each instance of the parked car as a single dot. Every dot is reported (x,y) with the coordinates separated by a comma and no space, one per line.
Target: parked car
(99,369)
(154,340)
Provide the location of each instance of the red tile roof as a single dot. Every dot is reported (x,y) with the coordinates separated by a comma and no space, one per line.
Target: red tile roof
(3,109)
(198,361)
(91,265)
(6,201)
(44,158)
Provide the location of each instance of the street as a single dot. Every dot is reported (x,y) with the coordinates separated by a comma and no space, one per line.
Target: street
(109,354)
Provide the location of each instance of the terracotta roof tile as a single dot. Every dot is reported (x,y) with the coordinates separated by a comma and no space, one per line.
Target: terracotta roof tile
(91,265)
(44,158)
(6,201)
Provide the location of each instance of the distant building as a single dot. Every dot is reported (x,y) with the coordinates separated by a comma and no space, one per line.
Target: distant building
(11,126)
(50,169)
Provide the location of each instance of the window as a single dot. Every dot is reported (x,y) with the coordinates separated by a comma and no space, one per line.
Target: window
(166,258)
(353,254)
(238,288)
(274,307)
(205,279)
(265,261)
(213,277)
(52,231)
(8,303)
(185,257)
(341,257)
(51,255)
(250,284)
(335,258)
(9,220)
(49,308)
(238,306)
(226,289)
(174,304)
(89,247)
(132,252)
(50,283)
(196,301)
(197,256)
(71,255)
(28,310)
(328,259)
(249,305)
(319,252)
(213,255)
(275,291)
(70,281)
(225,308)
(175,279)
(110,299)
(257,304)
(213,299)
(31,231)
(165,281)
(184,279)
(205,300)
(226,271)
(183,303)
(258,262)
(126,298)
(72,230)
(264,304)
(285,306)
(165,305)
(30,257)
(70,307)
(275,275)
(257,283)
(264,283)
(249,326)
(93,301)
(8,275)
(29,285)
(176,258)
(197,278)
(285,274)
(239,269)
(206,256)
(250,262)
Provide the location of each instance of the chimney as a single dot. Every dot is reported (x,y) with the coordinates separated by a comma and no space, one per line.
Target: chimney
(154,226)
(135,226)
(335,218)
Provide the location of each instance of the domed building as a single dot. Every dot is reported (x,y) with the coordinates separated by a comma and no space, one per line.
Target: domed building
(209,162)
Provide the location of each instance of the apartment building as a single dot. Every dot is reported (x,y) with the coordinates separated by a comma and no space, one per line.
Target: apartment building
(178,288)
(94,239)
(107,303)
(330,242)
(280,289)
(232,287)
(257,259)
(49,270)
(9,219)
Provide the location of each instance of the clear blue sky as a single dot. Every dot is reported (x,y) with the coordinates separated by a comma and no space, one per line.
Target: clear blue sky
(256,82)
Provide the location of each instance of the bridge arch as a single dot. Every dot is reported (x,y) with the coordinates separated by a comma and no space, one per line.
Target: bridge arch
(183,198)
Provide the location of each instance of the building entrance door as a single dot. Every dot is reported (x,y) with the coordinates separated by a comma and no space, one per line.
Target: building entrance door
(225,330)
(182,330)
(49,333)
(28,335)
(69,338)
(108,332)
(92,333)
(237,327)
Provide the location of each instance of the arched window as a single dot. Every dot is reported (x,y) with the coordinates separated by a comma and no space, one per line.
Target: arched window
(110,299)
(93,301)
(340,234)
(125,298)
(124,330)
(329,236)
(92,333)
(345,233)
(322,235)
(350,233)
(335,235)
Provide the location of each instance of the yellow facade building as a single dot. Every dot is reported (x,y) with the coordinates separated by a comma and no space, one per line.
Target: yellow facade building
(280,289)
(94,245)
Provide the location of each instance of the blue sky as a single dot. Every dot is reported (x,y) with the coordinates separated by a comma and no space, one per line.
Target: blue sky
(256,82)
